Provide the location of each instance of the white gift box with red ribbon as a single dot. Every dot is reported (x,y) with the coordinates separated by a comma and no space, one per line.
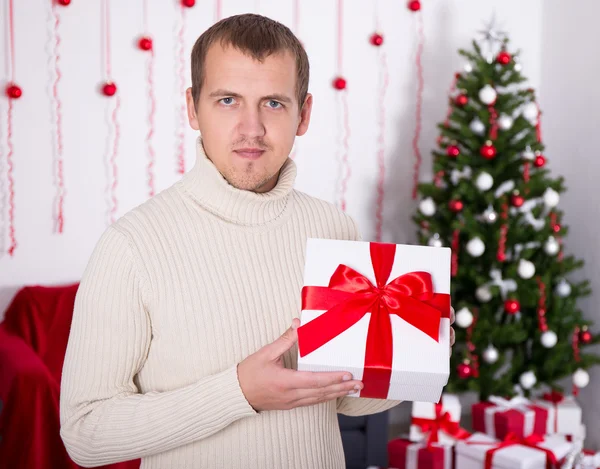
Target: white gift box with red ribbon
(444,419)
(380,312)
(564,415)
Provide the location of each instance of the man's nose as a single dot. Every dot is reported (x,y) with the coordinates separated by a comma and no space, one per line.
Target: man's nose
(251,123)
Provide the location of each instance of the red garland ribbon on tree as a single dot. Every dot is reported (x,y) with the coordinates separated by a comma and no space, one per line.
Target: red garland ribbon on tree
(455,248)
(501,254)
(471,355)
(541,310)
(576,355)
(493,123)
(350,295)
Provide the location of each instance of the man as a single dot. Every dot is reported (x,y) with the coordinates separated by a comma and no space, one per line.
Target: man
(176,354)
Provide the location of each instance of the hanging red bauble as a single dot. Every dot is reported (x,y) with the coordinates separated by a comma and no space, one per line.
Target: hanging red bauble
(453,151)
(188,3)
(585,336)
(109,88)
(376,39)
(556,228)
(512,306)
(461,100)
(503,58)
(64,2)
(145,43)
(539,161)
(517,200)
(13,91)
(339,83)
(414,5)
(488,151)
(464,370)
(456,205)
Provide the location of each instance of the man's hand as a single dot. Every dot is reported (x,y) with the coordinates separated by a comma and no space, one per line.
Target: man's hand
(267,385)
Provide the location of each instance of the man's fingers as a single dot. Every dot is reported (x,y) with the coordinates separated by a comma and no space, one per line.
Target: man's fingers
(317,393)
(452,336)
(315,380)
(318,399)
(285,342)
(452,316)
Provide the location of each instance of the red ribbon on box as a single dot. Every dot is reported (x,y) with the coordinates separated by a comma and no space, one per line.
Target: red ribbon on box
(512,439)
(350,295)
(443,421)
(555,397)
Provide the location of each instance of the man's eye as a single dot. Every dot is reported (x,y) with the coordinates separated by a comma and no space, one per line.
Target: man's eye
(226,101)
(274,104)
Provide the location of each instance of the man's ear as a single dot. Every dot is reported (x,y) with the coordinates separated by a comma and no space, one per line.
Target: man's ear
(305,115)
(191,110)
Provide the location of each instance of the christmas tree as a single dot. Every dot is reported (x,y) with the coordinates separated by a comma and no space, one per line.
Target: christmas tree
(494,202)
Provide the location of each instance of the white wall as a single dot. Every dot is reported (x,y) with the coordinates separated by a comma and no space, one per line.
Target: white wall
(46,258)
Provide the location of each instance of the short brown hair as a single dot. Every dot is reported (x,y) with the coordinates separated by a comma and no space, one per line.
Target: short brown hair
(257,36)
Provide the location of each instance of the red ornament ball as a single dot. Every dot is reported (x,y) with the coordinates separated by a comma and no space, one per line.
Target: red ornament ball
(488,151)
(414,5)
(188,3)
(539,161)
(339,83)
(453,151)
(503,58)
(462,100)
(376,39)
(109,89)
(145,43)
(64,3)
(585,336)
(512,306)
(456,205)
(556,228)
(464,370)
(13,91)
(517,200)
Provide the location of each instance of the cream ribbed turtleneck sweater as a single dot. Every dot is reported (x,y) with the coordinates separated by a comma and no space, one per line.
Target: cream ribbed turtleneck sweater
(178,292)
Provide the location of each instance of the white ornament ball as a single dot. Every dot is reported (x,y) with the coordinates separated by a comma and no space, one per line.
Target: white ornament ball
(518,67)
(505,122)
(530,111)
(528,380)
(483,294)
(490,216)
(490,354)
(526,269)
(435,241)
(551,198)
(581,378)
(487,94)
(464,318)
(427,207)
(475,247)
(552,246)
(528,155)
(468,67)
(477,127)
(563,289)
(484,181)
(549,339)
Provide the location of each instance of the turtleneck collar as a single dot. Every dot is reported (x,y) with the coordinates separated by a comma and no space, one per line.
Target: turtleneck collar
(210,189)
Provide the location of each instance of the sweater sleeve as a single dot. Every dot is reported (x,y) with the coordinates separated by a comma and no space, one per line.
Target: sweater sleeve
(353,406)
(104,417)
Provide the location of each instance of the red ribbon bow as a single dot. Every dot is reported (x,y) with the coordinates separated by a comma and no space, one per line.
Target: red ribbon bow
(556,398)
(512,439)
(442,421)
(350,295)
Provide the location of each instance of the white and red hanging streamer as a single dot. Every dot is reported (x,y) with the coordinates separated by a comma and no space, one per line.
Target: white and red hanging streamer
(377,40)
(340,84)
(146,44)
(55,75)
(415,7)
(109,89)
(13,92)
(180,74)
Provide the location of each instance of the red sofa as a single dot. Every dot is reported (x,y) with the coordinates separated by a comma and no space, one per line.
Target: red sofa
(33,341)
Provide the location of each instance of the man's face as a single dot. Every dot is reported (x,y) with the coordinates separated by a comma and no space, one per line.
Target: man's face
(248,115)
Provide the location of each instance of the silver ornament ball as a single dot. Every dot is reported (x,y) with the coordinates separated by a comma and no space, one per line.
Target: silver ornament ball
(464,318)
(581,378)
(552,246)
(477,127)
(487,94)
(483,294)
(490,354)
(435,241)
(527,380)
(484,181)
(530,111)
(475,247)
(549,339)
(427,207)
(526,269)
(563,289)
(505,122)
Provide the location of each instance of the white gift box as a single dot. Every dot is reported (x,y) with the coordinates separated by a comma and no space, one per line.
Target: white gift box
(472,456)
(426,410)
(420,364)
(564,417)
